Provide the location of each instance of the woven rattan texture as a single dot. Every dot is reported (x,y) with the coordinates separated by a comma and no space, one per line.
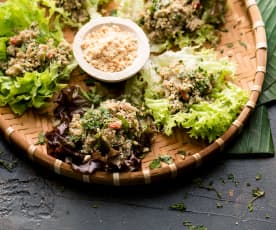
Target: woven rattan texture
(242,40)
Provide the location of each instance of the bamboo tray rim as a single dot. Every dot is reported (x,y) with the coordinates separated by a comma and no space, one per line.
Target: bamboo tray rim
(148,176)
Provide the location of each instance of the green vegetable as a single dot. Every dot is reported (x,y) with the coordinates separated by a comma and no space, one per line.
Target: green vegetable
(91,6)
(3,49)
(206,119)
(130,9)
(258,176)
(256,193)
(7,164)
(166,158)
(17,15)
(41,139)
(32,90)
(192,226)
(179,207)
(205,33)
(155,164)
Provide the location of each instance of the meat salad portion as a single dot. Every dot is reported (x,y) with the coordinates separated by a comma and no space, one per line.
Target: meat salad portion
(112,136)
(25,53)
(183,89)
(75,9)
(171,20)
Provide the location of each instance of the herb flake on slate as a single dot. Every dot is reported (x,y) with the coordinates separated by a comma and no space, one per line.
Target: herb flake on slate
(179,207)
(258,176)
(41,139)
(256,193)
(193,227)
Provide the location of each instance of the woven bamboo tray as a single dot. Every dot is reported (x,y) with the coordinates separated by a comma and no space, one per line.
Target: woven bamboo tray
(244,43)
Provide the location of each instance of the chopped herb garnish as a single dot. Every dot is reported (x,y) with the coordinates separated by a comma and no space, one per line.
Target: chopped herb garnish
(224,30)
(230,176)
(219,205)
(250,206)
(8,165)
(256,193)
(179,207)
(95,206)
(166,158)
(267,216)
(258,176)
(242,44)
(182,153)
(155,164)
(193,227)
(41,139)
(229,45)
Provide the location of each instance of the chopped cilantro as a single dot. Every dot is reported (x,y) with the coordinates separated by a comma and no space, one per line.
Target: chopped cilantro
(193,227)
(41,139)
(179,207)
(242,44)
(256,193)
(95,206)
(230,176)
(258,176)
(8,165)
(224,30)
(229,45)
(166,158)
(250,206)
(155,164)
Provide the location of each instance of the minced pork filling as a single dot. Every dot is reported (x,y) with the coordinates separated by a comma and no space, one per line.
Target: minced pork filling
(26,54)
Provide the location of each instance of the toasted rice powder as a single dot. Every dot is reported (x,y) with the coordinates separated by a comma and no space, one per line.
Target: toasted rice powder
(109,48)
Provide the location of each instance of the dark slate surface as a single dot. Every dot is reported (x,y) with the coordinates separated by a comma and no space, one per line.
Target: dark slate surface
(34,198)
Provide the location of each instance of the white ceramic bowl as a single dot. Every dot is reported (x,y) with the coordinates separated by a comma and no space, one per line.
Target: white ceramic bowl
(143,51)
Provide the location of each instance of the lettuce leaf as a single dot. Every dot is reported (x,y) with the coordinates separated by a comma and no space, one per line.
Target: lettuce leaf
(210,119)
(130,9)
(206,119)
(17,15)
(31,90)
(91,6)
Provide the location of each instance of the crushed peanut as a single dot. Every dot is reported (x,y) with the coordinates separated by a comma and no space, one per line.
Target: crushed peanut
(109,48)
